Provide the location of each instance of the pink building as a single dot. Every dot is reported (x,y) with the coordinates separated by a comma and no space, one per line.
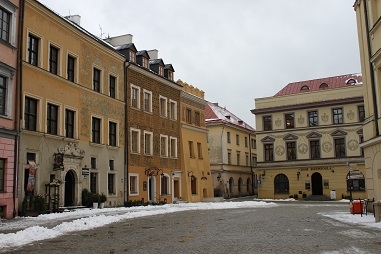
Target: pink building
(9,27)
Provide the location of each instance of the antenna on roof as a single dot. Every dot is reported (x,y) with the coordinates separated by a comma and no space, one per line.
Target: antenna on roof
(101,31)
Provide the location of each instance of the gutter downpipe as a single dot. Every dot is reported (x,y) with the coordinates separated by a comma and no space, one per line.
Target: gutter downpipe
(372,79)
(18,105)
(126,187)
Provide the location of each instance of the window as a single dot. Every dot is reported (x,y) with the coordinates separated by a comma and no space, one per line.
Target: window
(339,147)
(313,118)
(69,123)
(337,114)
(93,182)
(145,62)
(253,161)
(112,134)
(228,137)
(134,184)
(323,86)
(238,158)
(33,44)
(96,130)
(361,111)
(3,94)
(135,141)
(2,173)
(246,160)
(229,157)
(161,71)
(112,87)
(314,149)
(111,183)
(304,88)
(199,150)
(197,118)
(269,152)
(289,120)
(172,110)
(307,185)
(361,139)
(291,151)
(148,143)
(135,96)
(173,148)
(93,162)
(188,115)
(163,106)
(267,123)
(253,144)
(132,56)
(237,139)
(355,181)
(194,185)
(163,145)
(30,114)
(246,143)
(147,101)
(281,184)
(96,80)
(191,150)
(53,60)
(52,119)
(164,185)
(111,164)
(71,68)
(5,21)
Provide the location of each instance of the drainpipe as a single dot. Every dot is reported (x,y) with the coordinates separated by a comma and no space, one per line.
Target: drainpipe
(18,106)
(126,186)
(372,79)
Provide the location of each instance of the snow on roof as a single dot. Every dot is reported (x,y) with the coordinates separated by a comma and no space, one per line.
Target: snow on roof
(217,114)
(321,83)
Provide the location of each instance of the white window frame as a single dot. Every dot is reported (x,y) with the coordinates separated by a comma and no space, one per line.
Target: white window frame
(101,128)
(112,172)
(59,61)
(150,100)
(8,74)
(116,84)
(76,66)
(39,110)
(9,7)
(75,131)
(59,117)
(165,105)
(137,184)
(101,82)
(40,61)
(165,137)
(132,87)
(151,142)
(117,131)
(172,115)
(138,141)
(171,139)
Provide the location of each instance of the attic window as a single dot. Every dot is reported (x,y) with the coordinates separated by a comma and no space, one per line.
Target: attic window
(228,117)
(304,88)
(132,56)
(161,71)
(145,62)
(323,86)
(351,81)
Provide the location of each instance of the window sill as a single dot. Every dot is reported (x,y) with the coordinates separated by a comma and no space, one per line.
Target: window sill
(113,147)
(96,144)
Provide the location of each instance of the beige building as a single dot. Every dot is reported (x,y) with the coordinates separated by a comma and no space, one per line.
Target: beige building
(232,152)
(73,111)
(196,175)
(368,14)
(308,137)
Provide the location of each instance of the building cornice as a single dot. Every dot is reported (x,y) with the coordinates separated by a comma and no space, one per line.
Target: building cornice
(234,126)
(359,99)
(193,98)
(308,163)
(185,126)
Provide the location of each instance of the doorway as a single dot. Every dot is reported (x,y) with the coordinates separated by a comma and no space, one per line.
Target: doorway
(69,188)
(151,189)
(317,184)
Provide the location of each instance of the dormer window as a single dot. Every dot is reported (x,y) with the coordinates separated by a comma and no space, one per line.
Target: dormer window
(132,56)
(304,88)
(170,75)
(351,81)
(323,86)
(161,71)
(145,62)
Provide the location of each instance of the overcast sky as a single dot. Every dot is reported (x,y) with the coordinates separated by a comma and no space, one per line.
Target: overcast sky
(235,51)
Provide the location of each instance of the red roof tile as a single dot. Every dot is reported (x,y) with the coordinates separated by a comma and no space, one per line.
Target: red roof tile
(314,85)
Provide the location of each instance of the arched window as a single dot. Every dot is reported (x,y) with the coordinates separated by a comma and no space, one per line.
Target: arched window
(323,86)
(304,88)
(231,185)
(281,184)
(240,185)
(351,81)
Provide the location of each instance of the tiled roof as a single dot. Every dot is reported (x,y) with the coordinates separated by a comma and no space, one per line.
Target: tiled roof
(318,84)
(217,114)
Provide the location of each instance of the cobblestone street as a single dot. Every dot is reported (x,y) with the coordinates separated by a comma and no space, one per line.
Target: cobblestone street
(291,227)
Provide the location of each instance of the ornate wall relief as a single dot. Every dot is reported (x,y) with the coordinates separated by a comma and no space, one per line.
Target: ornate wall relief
(324,118)
(327,146)
(302,148)
(301,120)
(279,150)
(352,144)
(278,122)
(351,115)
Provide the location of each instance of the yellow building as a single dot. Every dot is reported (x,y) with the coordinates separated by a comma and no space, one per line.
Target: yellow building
(308,138)
(368,13)
(232,152)
(73,110)
(196,176)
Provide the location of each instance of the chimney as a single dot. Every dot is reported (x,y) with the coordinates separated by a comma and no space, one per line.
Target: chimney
(153,54)
(119,40)
(74,18)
